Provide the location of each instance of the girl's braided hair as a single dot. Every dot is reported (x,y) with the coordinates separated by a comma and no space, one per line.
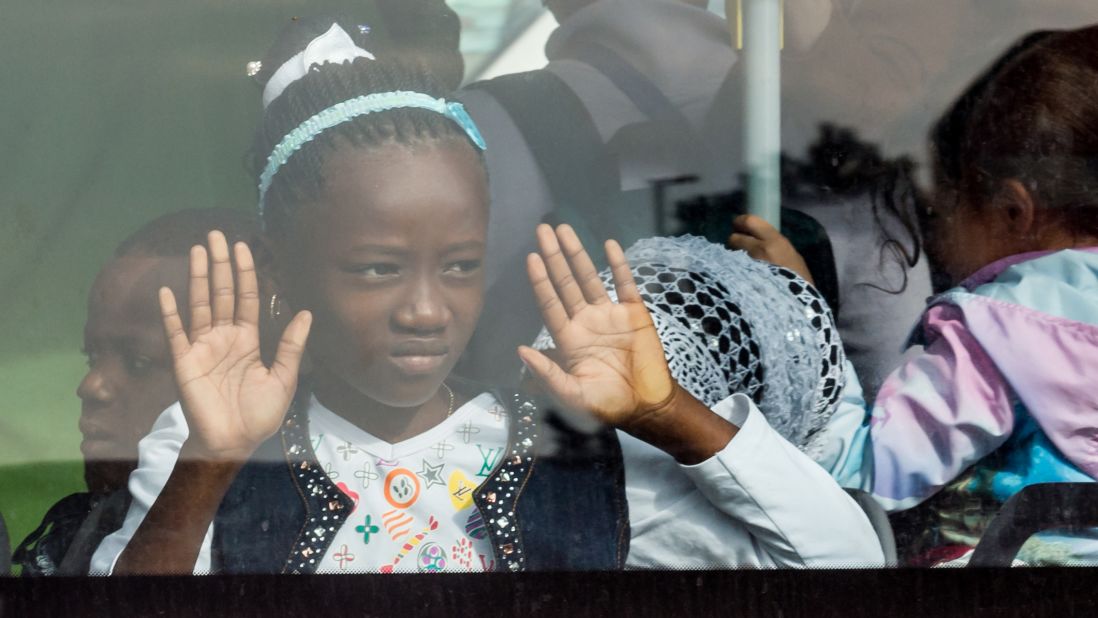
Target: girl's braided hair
(302,177)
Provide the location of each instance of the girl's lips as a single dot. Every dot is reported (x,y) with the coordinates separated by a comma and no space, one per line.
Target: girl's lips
(419,364)
(420,356)
(421,347)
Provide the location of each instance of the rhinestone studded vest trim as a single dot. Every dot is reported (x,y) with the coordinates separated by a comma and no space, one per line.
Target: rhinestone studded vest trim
(326,507)
(497,497)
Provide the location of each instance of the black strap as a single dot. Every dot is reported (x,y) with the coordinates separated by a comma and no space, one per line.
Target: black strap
(580,170)
(560,133)
(649,99)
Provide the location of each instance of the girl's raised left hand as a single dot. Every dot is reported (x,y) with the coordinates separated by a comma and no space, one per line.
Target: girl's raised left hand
(232,401)
(611,361)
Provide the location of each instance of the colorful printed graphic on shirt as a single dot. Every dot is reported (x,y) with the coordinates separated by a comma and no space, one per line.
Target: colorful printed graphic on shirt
(961,512)
(366,529)
(401,488)
(461,490)
(330,471)
(350,494)
(343,557)
(397,523)
(487,565)
(432,525)
(474,526)
(488,459)
(462,553)
(414,509)
(432,558)
(431,474)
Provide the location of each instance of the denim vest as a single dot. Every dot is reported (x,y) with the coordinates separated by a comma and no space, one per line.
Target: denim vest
(565,511)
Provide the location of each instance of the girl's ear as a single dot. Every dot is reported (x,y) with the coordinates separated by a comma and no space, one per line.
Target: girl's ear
(272,278)
(277,307)
(275,313)
(1019,208)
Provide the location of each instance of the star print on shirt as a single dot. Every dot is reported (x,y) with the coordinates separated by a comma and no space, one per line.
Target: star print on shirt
(432,475)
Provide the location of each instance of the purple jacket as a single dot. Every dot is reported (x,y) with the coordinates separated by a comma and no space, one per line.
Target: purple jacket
(1019,335)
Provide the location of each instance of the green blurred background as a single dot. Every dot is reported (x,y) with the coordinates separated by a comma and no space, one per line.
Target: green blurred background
(112,115)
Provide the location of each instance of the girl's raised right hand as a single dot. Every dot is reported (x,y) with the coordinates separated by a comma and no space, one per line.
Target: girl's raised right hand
(232,401)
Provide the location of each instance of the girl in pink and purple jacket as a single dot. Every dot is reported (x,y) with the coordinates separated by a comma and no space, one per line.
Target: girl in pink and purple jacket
(1004,393)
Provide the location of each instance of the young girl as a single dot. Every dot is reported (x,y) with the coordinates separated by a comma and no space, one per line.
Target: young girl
(1003,395)
(374,195)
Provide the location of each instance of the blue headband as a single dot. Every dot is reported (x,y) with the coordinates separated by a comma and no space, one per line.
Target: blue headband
(360,106)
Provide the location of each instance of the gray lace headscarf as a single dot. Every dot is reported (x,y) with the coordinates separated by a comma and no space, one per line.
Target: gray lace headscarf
(731,324)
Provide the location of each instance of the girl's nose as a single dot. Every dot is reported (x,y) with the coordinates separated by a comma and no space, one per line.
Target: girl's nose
(425,309)
(95,387)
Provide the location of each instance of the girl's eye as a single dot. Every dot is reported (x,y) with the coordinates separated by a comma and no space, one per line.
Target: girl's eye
(138,364)
(462,267)
(376,270)
(90,356)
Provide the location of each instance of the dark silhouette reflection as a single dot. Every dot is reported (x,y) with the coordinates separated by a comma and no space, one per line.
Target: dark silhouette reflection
(128,384)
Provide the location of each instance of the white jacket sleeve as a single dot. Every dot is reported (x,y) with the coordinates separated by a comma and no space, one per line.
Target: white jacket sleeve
(156,457)
(793,508)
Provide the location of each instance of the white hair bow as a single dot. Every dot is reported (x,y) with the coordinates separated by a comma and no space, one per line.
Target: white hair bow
(335,45)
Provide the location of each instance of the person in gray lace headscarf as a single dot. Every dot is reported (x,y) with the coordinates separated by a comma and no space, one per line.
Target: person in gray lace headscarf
(731,324)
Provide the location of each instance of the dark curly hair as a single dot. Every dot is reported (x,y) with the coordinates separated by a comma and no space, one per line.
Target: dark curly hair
(839,164)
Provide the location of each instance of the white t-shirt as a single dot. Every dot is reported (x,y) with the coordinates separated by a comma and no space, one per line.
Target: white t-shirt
(759,502)
(413,500)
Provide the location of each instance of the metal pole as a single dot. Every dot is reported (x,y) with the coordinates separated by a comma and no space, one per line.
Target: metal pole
(758,26)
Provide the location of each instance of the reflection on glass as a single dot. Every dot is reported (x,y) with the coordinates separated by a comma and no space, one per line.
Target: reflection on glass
(462,388)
